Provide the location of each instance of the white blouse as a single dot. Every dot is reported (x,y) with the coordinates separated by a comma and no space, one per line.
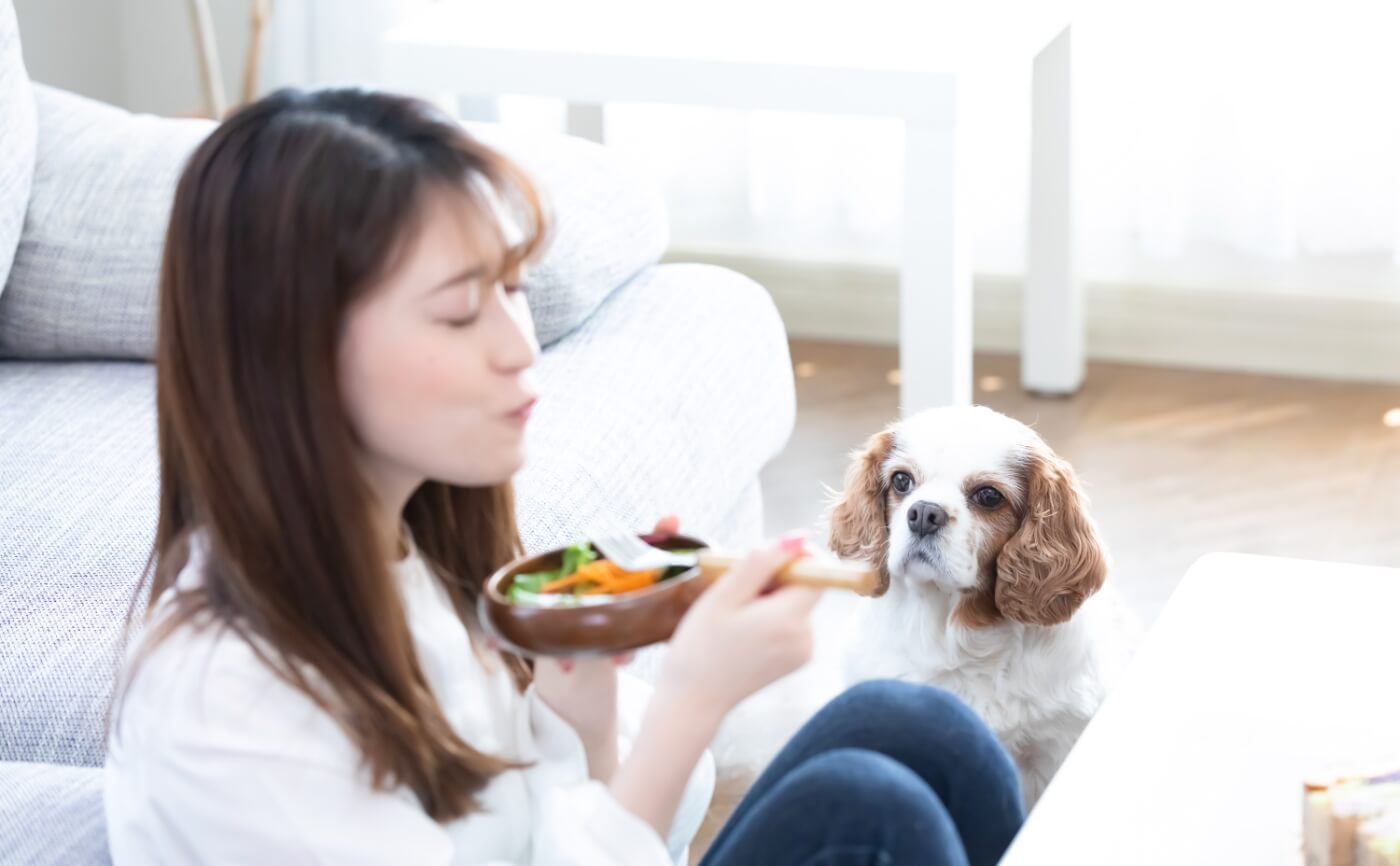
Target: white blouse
(215,759)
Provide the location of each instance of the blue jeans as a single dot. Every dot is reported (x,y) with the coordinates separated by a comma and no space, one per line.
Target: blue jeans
(889,773)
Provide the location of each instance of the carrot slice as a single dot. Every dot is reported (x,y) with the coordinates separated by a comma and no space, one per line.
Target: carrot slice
(626,582)
(561,583)
(606,577)
(597,570)
(580,576)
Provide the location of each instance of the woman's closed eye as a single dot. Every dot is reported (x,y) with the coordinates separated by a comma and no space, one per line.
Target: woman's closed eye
(459,305)
(461,318)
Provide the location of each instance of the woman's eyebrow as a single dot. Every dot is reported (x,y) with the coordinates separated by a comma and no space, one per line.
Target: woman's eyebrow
(470,274)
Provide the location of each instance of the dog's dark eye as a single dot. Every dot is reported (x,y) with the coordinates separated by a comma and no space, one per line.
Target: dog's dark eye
(987,497)
(902,482)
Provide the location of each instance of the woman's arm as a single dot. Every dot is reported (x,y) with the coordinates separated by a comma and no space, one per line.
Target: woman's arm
(583,692)
(674,734)
(735,640)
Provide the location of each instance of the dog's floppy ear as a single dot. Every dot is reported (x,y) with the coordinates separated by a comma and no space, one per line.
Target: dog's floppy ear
(859,521)
(1055,560)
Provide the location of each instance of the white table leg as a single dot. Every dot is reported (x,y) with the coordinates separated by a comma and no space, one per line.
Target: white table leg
(935,281)
(585,120)
(1052,318)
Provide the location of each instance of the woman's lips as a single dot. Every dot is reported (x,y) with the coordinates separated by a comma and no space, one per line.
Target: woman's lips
(522,414)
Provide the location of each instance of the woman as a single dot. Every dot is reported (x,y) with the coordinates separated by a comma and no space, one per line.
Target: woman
(343,385)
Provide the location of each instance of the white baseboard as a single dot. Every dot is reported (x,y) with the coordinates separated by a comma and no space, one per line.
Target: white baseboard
(1290,335)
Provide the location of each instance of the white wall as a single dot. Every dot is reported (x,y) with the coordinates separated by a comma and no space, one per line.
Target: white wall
(140,54)
(70,44)
(160,69)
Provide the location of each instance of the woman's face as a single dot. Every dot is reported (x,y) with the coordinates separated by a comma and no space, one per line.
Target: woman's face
(435,361)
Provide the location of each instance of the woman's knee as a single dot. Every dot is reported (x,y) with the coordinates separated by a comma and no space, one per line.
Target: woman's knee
(910,716)
(843,806)
(861,776)
(915,703)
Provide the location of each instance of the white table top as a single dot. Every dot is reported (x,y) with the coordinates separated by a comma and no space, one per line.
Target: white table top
(1259,672)
(913,35)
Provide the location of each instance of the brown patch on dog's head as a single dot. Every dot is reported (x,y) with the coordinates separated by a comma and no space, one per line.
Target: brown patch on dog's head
(859,520)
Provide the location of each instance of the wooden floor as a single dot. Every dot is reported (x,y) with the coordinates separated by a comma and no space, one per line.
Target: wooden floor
(1178,463)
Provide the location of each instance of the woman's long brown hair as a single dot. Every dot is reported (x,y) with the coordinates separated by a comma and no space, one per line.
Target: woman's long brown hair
(291,210)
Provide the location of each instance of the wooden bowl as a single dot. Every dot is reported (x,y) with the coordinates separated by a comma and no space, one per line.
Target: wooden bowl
(633,620)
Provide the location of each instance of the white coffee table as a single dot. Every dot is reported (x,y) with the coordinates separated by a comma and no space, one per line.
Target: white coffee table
(1259,672)
(895,58)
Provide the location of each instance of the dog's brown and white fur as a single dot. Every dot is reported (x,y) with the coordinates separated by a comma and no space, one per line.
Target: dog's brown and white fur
(992,574)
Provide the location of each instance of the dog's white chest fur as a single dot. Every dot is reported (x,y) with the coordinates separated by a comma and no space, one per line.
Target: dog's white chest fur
(1035,686)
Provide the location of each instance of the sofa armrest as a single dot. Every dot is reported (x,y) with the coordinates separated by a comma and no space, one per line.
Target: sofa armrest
(17,137)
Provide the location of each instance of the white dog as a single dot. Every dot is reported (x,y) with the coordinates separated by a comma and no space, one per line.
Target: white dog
(992,572)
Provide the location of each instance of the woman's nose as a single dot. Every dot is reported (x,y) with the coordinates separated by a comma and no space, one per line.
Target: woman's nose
(515,345)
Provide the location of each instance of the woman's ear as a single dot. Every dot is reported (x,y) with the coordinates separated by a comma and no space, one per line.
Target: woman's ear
(859,520)
(1055,560)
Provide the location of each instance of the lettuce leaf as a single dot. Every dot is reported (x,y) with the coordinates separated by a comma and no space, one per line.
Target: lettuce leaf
(526,585)
(576,555)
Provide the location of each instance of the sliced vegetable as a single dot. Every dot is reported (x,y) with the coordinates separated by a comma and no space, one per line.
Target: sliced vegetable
(576,555)
(583,578)
(626,582)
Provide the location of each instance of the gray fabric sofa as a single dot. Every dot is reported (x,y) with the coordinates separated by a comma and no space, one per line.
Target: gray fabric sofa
(665,388)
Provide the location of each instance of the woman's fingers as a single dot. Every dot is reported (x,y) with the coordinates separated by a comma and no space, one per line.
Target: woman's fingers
(754,574)
(791,600)
(751,575)
(668,525)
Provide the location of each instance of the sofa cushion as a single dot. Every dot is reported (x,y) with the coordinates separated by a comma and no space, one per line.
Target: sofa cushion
(84,283)
(17,136)
(86,273)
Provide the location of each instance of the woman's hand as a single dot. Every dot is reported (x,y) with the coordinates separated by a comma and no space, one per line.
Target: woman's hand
(583,691)
(741,635)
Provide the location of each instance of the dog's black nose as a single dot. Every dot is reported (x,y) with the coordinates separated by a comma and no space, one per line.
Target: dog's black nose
(926,518)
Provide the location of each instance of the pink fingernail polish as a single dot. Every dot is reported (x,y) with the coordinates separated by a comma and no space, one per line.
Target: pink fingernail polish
(566,665)
(792,542)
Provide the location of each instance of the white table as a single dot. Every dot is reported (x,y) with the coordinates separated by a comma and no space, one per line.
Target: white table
(1259,672)
(895,58)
